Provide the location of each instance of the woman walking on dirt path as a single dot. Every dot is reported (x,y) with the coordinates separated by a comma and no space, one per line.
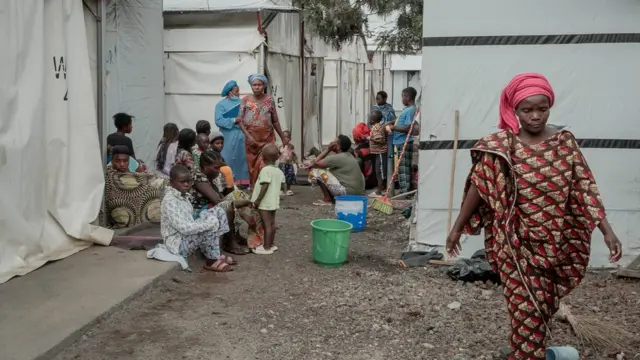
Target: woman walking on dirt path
(258,119)
(532,191)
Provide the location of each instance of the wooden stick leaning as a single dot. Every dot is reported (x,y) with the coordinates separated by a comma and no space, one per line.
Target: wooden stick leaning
(453,169)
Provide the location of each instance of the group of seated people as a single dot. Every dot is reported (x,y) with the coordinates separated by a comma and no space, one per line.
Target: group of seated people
(189,167)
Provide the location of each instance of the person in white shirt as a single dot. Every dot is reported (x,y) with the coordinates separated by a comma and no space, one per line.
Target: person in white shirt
(182,234)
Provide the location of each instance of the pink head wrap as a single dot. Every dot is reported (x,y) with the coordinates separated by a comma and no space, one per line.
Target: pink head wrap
(519,88)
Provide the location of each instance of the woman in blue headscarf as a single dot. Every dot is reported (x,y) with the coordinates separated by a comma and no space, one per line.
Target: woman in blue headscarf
(233,152)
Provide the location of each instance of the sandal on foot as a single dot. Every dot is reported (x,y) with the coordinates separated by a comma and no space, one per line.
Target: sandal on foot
(260,250)
(321,203)
(218,266)
(289,193)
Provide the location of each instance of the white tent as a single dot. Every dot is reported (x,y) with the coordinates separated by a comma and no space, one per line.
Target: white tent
(51,179)
(196,68)
(133,70)
(405,72)
(345,98)
(588,49)
(253,37)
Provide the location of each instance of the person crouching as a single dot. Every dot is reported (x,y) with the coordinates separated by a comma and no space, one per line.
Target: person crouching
(181,234)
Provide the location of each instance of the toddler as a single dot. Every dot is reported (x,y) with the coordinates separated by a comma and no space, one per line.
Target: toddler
(202,145)
(266,197)
(378,148)
(287,163)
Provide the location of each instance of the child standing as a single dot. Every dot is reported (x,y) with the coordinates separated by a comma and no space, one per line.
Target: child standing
(266,197)
(181,234)
(378,148)
(287,161)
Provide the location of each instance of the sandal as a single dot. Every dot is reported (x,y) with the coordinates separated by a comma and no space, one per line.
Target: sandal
(238,250)
(219,266)
(228,259)
(260,250)
(321,203)
(289,193)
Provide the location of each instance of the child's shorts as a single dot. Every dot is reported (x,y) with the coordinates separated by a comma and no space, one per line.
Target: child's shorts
(381,167)
(289,173)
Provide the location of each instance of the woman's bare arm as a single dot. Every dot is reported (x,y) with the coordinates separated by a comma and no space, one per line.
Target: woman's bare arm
(470,204)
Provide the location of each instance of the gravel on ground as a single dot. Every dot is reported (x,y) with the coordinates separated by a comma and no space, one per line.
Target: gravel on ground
(285,307)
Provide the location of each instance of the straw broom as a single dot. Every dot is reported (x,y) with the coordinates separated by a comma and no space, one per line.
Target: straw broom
(384,204)
(591,331)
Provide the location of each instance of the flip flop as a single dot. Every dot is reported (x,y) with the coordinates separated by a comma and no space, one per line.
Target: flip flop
(321,203)
(260,250)
(219,266)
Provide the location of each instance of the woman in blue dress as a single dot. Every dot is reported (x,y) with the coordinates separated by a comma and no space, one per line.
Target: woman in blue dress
(234,149)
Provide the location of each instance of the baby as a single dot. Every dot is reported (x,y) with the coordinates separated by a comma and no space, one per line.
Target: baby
(266,198)
(202,145)
(287,163)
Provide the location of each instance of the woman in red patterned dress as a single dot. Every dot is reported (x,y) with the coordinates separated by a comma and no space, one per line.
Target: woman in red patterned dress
(258,120)
(534,195)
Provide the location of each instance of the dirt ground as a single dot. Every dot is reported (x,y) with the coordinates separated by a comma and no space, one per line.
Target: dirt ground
(286,307)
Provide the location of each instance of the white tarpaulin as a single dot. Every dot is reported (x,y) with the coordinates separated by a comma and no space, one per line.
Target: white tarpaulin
(51,180)
(594,76)
(197,68)
(133,66)
(314,75)
(284,77)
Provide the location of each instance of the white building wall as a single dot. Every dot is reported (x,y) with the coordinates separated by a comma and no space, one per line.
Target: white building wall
(592,82)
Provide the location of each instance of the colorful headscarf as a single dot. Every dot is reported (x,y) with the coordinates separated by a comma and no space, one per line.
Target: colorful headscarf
(228,87)
(258,77)
(519,88)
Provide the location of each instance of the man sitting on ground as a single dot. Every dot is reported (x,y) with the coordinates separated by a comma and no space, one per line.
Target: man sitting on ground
(338,174)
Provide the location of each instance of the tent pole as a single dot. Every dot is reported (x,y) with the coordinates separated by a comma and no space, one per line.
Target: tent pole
(101,94)
(302,92)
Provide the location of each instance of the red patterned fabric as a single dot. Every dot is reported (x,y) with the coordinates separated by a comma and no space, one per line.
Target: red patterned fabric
(540,206)
(360,131)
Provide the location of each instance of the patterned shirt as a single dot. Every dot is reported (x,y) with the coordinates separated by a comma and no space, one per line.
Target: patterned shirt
(195,154)
(378,139)
(287,155)
(177,220)
(388,113)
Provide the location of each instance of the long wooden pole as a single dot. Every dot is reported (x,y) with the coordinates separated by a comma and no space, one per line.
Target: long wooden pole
(453,169)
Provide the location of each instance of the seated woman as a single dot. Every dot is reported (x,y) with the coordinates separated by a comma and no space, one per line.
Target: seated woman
(338,174)
(234,201)
(131,197)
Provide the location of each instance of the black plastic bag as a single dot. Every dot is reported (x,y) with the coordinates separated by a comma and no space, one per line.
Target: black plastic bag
(474,269)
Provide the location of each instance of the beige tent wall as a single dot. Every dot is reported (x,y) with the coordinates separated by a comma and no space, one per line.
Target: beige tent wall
(51,179)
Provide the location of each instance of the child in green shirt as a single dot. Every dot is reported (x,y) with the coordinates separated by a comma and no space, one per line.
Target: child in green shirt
(266,197)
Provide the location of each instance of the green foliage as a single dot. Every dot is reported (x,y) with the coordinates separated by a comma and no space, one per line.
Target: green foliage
(339,22)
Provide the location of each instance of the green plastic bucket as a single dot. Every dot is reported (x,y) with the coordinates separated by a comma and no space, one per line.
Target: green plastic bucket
(330,241)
